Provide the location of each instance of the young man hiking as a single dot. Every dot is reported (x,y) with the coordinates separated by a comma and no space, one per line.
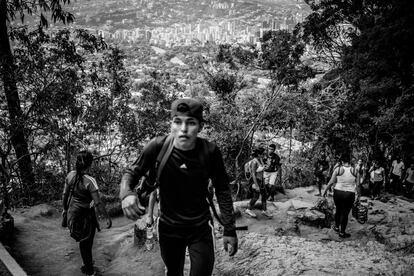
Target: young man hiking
(185,219)
(272,170)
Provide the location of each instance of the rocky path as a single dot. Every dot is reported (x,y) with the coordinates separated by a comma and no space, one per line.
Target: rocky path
(282,245)
(287,255)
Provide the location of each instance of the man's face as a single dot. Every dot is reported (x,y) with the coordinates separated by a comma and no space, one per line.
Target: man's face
(185,130)
(270,150)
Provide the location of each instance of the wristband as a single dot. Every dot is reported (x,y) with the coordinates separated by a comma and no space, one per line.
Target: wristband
(128,193)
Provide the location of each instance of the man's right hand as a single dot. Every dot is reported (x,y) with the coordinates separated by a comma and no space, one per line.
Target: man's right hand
(132,208)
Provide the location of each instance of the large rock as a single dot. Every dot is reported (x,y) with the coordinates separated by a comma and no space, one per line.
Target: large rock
(300,204)
(312,217)
(41,210)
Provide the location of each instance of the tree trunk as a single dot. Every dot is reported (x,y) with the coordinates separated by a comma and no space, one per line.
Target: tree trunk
(17,130)
(290,143)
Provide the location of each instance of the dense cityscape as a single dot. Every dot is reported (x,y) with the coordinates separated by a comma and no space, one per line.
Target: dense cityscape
(185,23)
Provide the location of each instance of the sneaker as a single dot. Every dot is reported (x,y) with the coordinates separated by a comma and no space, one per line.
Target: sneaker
(344,235)
(267,214)
(250,213)
(336,229)
(87,271)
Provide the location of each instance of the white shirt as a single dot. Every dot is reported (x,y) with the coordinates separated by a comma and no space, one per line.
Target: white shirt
(377,174)
(347,181)
(397,167)
(410,175)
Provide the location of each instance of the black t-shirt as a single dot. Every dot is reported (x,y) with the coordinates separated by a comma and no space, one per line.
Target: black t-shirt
(321,165)
(183,189)
(272,162)
(184,184)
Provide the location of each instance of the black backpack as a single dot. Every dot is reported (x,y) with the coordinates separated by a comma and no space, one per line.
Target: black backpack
(146,187)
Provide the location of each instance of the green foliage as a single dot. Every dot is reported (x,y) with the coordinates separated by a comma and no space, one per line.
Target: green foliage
(281,53)
(53,7)
(375,64)
(70,103)
(152,106)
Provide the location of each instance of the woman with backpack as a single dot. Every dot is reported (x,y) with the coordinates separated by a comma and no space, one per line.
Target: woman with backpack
(346,192)
(257,186)
(80,198)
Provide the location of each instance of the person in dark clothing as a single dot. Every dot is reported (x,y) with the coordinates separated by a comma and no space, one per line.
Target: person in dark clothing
(396,175)
(321,172)
(346,193)
(256,184)
(185,220)
(272,171)
(79,192)
(377,179)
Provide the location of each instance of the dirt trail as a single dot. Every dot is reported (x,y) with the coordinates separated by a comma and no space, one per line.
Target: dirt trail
(42,247)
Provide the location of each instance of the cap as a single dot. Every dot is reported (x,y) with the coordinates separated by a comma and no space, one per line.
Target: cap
(187,107)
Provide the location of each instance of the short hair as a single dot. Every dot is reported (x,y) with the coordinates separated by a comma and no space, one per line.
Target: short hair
(273,146)
(257,151)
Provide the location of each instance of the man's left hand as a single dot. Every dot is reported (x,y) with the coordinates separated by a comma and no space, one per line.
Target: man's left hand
(233,242)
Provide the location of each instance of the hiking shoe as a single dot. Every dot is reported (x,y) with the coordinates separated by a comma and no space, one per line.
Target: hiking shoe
(267,214)
(87,271)
(336,229)
(250,213)
(344,235)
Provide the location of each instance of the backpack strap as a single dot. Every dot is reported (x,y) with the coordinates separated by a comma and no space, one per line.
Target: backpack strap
(162,157)
(205,162)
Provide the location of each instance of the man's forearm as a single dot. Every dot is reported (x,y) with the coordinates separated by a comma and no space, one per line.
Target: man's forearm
(227,212)
(128,183)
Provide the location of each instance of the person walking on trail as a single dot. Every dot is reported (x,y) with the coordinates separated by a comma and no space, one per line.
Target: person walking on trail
(346,193)
(377,179)
(271,171)
(321,171)
(409,180)
(257,187)
(396,175)
(185,221)
(80,192)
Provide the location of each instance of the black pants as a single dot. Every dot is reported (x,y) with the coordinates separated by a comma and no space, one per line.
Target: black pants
(255,196)
(343,202)
(200,242)
(375,188)
(85,247)
(396,185)
(408,188)
(271,190)
(320,181)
